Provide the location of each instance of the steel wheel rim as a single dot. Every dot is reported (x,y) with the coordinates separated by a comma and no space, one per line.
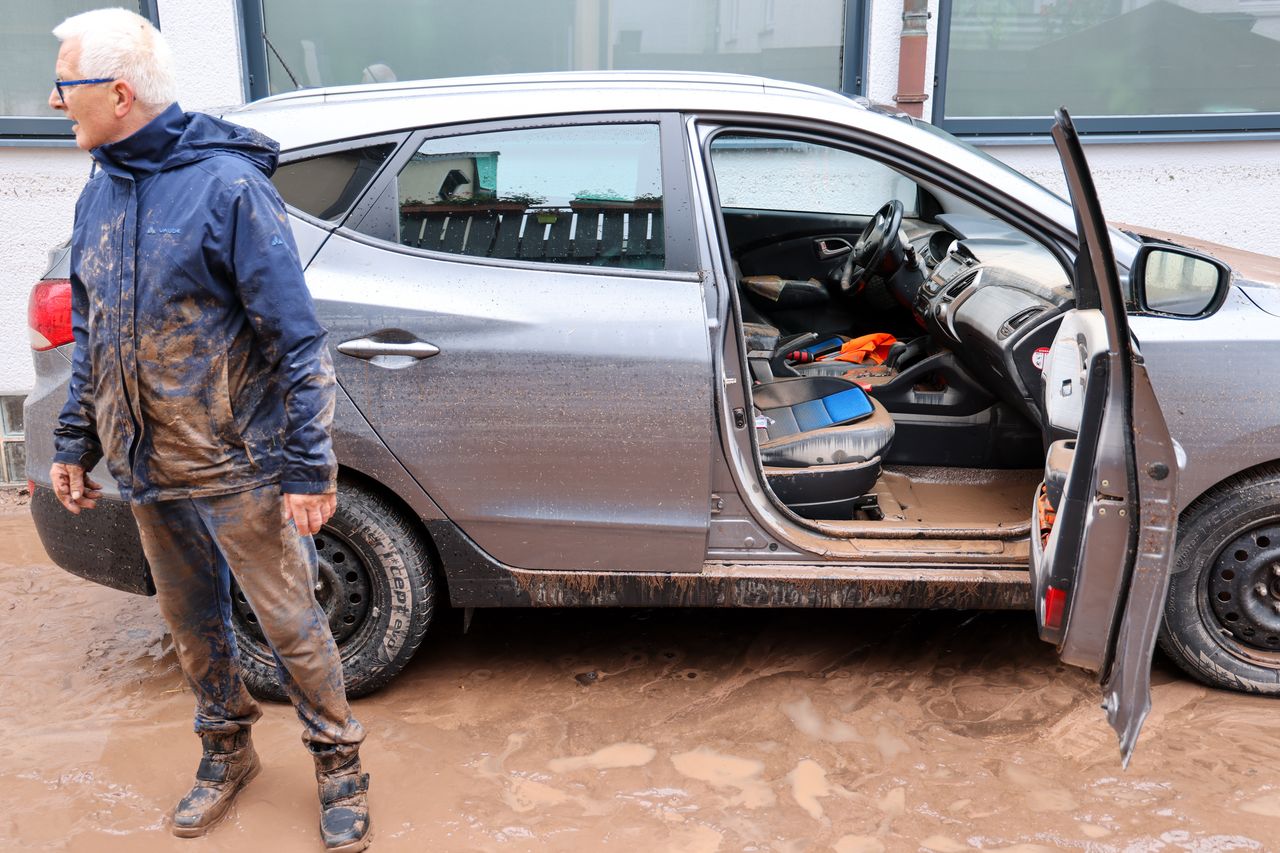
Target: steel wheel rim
(1241,600)
(344,591)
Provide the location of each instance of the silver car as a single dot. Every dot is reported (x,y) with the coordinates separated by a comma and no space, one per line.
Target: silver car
(648,339)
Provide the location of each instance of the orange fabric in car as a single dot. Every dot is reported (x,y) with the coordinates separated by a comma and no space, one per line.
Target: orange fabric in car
(874,347)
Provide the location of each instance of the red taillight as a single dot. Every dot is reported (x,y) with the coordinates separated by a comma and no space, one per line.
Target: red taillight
(1055,602)
(49,314)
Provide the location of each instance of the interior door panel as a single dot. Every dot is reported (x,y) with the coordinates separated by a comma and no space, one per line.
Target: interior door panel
(779,242)
(1101,555)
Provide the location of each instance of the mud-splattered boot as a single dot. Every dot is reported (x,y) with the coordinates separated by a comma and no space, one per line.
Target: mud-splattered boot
(344,803)
(228,764)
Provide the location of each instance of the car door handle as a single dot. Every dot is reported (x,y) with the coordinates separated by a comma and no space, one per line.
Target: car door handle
(369,348)
(831,247)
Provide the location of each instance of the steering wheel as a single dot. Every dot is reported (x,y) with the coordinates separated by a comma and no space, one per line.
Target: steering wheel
(876,242)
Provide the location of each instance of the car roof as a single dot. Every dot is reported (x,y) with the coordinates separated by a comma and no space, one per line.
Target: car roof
(309,116)
(569,79)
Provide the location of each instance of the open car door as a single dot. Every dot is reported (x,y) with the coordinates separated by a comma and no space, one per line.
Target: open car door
(1104,521)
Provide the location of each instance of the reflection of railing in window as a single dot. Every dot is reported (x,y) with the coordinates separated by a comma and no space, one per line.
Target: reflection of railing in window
(619,234)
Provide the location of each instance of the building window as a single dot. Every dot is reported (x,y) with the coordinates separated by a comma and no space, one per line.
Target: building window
(1117,65)
(13,451)
(303,43)
(28,51)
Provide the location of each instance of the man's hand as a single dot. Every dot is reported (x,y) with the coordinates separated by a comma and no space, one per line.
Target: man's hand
(309,512)
(74,488)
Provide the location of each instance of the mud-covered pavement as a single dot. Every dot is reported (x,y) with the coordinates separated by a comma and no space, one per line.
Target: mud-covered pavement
(637,731)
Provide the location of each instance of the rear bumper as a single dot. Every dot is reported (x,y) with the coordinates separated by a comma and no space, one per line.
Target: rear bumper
(100,544)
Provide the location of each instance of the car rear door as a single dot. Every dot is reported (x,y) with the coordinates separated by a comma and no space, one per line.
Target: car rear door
(1105,520)
(516,310)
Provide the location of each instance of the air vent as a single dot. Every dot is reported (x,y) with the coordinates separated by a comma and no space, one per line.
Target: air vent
(956,288)
(1018,320)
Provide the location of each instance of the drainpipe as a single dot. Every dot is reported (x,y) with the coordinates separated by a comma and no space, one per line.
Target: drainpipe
(912,55)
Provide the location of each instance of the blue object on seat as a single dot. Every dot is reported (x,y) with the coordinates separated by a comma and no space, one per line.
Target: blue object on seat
(829,345)
(838,408)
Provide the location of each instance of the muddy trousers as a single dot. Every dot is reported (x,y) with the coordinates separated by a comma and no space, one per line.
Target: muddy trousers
(194,547)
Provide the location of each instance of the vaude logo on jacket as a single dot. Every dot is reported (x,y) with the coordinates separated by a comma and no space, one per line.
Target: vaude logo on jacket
(154,230)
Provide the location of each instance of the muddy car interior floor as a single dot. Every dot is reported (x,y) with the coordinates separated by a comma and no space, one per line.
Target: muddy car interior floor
(956,497)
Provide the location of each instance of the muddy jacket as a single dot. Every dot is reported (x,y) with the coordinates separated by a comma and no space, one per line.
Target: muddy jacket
(200,368)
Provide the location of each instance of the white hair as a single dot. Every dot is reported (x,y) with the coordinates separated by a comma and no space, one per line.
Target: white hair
(123,45)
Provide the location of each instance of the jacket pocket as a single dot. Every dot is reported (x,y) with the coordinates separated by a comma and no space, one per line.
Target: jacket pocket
(220,410)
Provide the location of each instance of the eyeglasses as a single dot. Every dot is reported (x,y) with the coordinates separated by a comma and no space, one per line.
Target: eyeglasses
(62,84)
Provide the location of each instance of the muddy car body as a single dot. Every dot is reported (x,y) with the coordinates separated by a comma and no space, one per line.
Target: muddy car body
(555,303)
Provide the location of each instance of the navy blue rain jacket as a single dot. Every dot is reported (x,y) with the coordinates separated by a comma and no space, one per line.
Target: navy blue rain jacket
(200,368)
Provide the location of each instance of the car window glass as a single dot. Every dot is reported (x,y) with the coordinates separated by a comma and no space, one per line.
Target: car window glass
(326,186)
(572,195)
(764,173)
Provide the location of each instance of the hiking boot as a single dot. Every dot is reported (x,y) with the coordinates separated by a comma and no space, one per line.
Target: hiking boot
(228,764)
(344,803)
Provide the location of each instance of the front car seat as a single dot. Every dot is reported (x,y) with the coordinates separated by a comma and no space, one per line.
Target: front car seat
(821,440)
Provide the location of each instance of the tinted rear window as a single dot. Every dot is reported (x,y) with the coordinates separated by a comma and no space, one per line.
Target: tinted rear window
(327,185)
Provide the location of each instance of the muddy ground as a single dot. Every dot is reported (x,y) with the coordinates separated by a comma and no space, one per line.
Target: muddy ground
(637,731)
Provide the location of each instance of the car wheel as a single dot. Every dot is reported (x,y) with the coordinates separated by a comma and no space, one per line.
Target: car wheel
(376,587)
(1222,617)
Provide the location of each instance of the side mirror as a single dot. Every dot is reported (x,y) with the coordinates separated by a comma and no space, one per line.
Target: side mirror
(1178,282)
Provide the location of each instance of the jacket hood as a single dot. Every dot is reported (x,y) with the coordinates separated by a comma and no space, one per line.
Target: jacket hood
(176,138)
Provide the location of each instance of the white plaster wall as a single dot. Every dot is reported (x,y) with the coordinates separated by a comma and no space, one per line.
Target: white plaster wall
(39,185)
(1227,192)
(38,191)
(205,38)
(884,30)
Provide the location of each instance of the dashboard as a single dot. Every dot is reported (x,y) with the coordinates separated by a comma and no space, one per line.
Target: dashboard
(994,297)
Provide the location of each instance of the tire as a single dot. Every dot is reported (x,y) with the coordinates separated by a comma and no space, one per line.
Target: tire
(1222,616)
(376,586)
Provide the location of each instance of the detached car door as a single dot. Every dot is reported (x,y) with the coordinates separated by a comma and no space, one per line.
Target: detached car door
(1104,523)
(516,310)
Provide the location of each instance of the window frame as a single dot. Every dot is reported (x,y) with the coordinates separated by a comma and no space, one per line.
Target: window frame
(852,72)
(10,436)
(1154,128)
(53,131)
(680,248)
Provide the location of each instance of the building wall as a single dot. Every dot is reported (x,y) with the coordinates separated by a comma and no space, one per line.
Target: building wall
(1226,192)
(205,37)
(38,190)
(1223,191)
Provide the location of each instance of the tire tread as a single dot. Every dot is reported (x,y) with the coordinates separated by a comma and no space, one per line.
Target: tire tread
(378,519)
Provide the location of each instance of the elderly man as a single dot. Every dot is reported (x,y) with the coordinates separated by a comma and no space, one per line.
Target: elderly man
(201,373)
